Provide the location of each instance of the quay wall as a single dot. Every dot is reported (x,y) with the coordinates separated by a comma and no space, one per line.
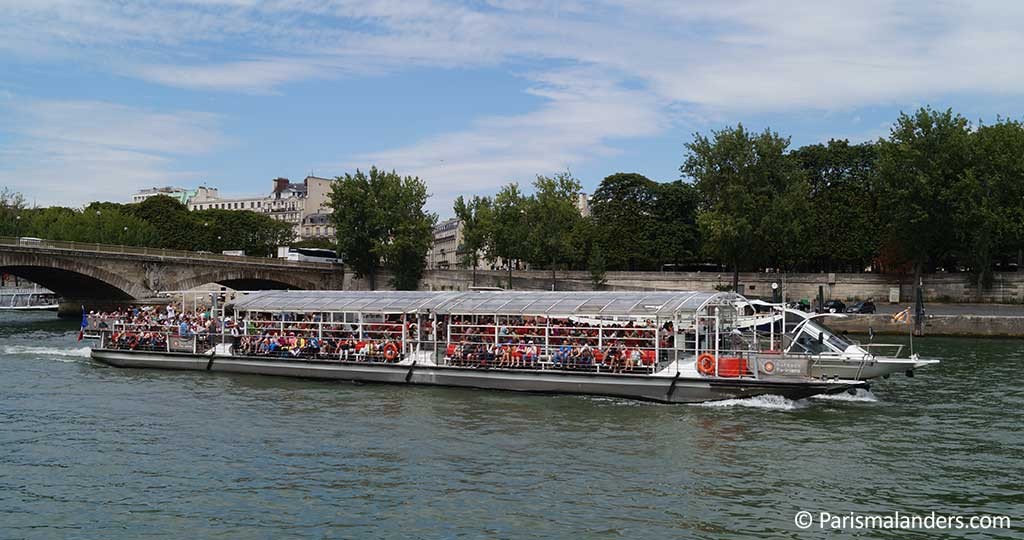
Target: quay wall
(935,325)
(1007,288)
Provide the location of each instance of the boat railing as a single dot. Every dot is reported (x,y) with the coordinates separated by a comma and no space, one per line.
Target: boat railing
(870,346)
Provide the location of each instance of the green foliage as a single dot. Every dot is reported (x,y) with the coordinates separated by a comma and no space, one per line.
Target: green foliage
(159,222)
(510,230)
(381,223)
(843,213)
(553,216)
(988,205)
(920,168)
(752,197)
(175,227)
(477,218)
(625,222)
(597,266)
(11,206)
(217,230)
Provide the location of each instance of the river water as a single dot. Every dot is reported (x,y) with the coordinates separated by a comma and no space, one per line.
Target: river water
(88,451)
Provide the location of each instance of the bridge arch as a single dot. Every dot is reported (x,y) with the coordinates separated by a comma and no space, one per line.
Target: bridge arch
(246,279)
(70,278)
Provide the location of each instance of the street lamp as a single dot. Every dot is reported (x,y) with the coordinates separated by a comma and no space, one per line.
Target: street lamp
(17,226)
(99,229)
(124,235)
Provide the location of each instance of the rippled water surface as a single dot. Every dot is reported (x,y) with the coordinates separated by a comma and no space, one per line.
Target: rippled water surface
(88,451)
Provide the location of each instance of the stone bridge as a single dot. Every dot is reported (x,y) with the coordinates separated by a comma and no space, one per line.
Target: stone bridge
(98,274)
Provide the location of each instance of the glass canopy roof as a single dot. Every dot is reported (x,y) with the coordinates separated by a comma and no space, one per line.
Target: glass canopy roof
(626,303)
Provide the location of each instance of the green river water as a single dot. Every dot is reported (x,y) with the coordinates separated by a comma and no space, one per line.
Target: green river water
(88,451)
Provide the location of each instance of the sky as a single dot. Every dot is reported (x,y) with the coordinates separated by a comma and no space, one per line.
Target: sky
(100,98)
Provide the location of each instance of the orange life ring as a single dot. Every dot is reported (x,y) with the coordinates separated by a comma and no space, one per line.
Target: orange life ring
(706,364)
(390,352)
(768,367)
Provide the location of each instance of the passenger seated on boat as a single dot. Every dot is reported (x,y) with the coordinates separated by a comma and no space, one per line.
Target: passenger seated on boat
(344,349)
(562,355)
(517,353)
(586,356)
(505,355)
(530,354)
(635,358)
(611,358)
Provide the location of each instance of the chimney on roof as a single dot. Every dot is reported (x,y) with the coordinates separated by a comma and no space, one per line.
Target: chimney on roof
(280,184)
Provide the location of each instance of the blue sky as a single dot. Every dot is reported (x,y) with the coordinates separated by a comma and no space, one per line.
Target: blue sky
(99,98)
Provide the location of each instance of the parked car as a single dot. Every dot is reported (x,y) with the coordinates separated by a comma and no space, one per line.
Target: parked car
(834,306)
(867,306)
(802,304)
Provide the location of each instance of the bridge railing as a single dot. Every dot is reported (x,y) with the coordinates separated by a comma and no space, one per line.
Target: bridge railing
(158,252)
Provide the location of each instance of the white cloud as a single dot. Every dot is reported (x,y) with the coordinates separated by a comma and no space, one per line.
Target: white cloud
(73,152)
(576,123)
(635,67)
(252,76)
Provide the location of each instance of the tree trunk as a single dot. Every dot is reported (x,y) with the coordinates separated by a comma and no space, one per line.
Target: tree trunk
(735,278)
(372,274)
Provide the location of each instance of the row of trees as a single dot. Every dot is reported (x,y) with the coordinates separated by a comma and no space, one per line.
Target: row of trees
(158,221)
(938,193)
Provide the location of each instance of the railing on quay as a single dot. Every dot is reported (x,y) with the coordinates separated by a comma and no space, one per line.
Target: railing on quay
(118,249)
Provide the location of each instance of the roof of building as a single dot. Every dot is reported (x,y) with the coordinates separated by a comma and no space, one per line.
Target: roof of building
(638,304)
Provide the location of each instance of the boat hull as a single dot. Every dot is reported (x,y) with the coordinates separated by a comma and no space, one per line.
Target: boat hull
(642,387)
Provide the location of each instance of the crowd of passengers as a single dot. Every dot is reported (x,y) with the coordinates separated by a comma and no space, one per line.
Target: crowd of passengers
(573,343)
(564,354)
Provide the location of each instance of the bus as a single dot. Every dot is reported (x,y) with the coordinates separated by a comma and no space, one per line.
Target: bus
(308,254)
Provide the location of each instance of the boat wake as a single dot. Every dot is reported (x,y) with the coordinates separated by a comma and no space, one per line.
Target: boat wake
(862,396)
(770,402)
(64,355)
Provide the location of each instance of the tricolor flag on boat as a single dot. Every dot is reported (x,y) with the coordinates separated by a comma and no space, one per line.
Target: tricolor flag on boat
(85,323)
(902,317)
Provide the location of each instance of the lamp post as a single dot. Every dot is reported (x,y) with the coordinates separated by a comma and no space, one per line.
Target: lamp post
(124,235)
(99,229)
(17,226)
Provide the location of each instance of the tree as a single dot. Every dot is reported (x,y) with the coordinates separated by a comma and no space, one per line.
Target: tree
(553,216)
(597,267)
(509,234)
(919,168)
(623,207)
(12,205)
(380,222)
(175,226)
(256,234)
(675,237)
(989,199)
(843,206)
(477,220)
(751,197)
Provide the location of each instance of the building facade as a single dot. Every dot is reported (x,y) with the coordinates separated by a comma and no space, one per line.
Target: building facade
(301,204)
(444,251)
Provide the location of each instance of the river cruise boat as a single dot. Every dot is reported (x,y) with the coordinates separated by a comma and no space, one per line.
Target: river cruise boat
(673,347)
(34,299)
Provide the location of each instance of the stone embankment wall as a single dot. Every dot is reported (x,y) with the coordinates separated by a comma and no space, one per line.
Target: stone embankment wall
(1008,288)
(935,325)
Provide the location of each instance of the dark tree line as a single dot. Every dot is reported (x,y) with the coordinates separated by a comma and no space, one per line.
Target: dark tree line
(159,222)
(937,194)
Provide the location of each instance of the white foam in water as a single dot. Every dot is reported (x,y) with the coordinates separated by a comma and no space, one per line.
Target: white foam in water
(82,352)
(771,402)
(862,395)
